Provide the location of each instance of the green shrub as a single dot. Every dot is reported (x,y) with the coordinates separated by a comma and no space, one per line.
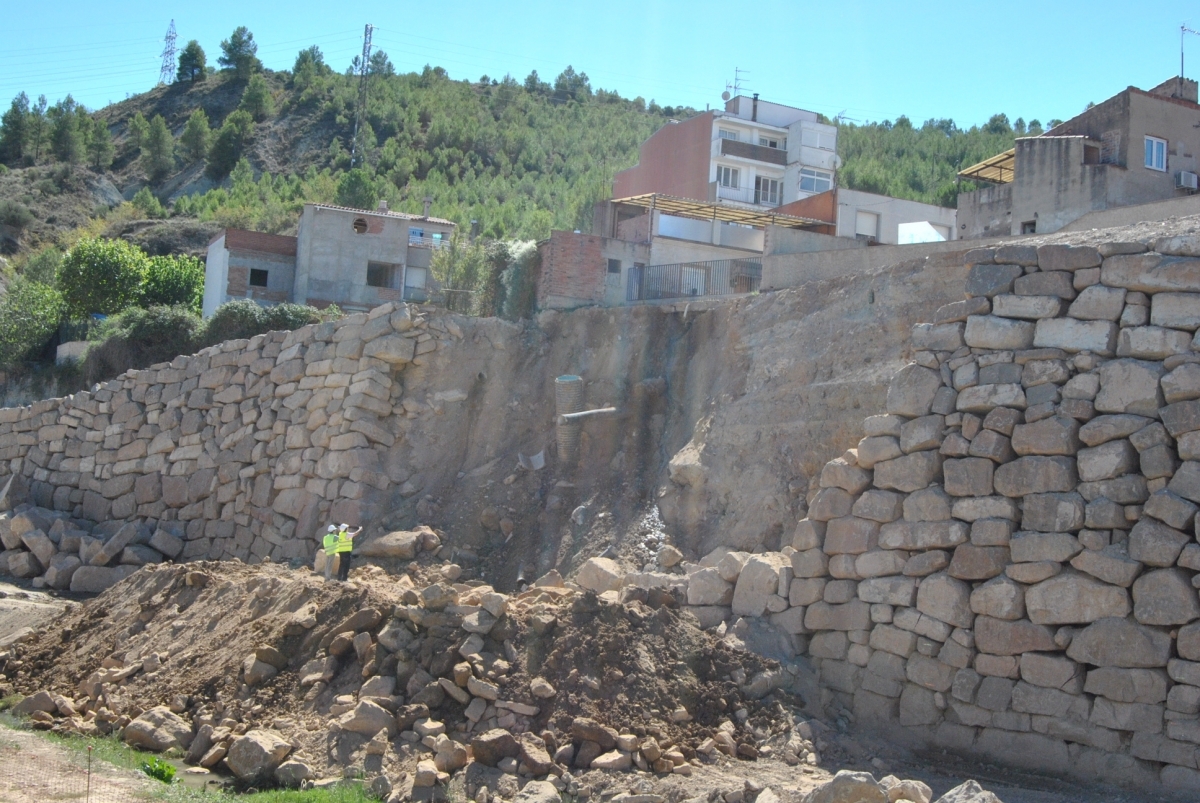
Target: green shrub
(174,280)
(244,318)
(145,202)
(103,276)
(159,770)
(42,266)
(138,338)
(285,317)
(14,214)
(29,315)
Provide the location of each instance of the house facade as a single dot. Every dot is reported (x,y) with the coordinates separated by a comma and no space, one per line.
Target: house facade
(353,258)
(754,154)
(1137,147)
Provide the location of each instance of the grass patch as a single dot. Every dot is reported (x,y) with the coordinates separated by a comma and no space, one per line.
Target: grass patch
(112,751)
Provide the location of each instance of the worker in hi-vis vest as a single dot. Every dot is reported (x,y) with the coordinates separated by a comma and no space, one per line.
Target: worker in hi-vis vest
(329,544)
(344,547)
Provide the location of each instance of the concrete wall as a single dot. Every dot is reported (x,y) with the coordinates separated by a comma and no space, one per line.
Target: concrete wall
(781,240)
(985,212)
(891,211)
(673,161)
(793,270)
(1126,215)
(216,276)
(1053,186)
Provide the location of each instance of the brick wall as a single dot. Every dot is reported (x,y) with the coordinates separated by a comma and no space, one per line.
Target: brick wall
(573,270)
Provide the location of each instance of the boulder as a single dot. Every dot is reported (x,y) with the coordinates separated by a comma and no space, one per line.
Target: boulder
(758,581)
(94,579)
(256,754)
(401,544)
(998,637)
(969,792)
(1000,598)
(705,587)
(1033,475)
(1130,386)
(908,473)
(291,774)
(1056,435)
(492,746)
(849,786)
(911,391)
(600,575)
(367,719)
(158,730)
(1072,335)
(946,599)
(1165,597)
(538,792)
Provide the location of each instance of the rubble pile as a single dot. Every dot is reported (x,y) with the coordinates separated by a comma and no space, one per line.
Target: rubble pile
(274,674)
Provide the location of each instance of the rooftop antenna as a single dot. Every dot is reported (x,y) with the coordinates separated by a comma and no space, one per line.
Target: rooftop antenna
(166,75)
(360,108)
(736,87)
(1183,29)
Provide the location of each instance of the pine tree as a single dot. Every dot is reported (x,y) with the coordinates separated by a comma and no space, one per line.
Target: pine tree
(65,137)
(14,130)
(138,128)
(191,63)
(100,146)
(257,100)
(37,128)
(196,136)
(158,153)
(238,52)
(227,146)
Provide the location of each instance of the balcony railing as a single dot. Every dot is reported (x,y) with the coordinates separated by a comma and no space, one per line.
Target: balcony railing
(759,153)
(747,195)
(720,277)
(426,241)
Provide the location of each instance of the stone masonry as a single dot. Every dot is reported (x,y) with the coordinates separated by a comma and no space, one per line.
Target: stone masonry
(243,450)
(1006,566)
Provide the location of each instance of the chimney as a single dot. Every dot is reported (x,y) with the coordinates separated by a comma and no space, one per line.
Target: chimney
(428,203)
(383,206)
(754,109)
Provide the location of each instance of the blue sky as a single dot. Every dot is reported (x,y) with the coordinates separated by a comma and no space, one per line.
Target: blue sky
(868,60)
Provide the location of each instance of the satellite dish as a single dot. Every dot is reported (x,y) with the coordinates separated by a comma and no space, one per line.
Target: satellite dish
(725,95)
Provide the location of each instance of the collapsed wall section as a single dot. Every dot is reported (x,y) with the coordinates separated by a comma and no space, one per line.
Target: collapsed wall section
(1006,565)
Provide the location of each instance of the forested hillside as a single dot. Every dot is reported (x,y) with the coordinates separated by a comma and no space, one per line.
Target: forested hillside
(244,146)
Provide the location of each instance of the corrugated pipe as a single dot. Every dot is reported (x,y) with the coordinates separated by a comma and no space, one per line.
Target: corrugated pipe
(568,398)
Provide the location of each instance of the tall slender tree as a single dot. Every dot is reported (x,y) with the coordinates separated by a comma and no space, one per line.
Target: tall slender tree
(196,136)
(100,145)
(14,130)
(158,152)
(38,119)
(66,139)
(238,52)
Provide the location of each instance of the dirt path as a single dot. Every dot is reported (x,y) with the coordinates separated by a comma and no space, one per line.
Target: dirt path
(34,770)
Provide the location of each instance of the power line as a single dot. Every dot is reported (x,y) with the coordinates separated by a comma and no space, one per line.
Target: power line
(166,75)
(360,109)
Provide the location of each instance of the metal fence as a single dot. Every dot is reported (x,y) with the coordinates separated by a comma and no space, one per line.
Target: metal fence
(719,277)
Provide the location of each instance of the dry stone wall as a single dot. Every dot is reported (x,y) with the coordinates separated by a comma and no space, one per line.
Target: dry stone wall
(1007,563)
(240,451)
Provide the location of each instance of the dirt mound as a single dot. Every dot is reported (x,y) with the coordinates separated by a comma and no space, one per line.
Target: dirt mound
(383,672)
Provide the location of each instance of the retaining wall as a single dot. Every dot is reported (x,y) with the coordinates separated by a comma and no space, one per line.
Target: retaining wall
(1006,566)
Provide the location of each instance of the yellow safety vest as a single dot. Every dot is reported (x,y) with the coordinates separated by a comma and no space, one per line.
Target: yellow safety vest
(330,543)
(344,542)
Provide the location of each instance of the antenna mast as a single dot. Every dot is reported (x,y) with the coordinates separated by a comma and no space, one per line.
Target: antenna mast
(360,110)
(166,75)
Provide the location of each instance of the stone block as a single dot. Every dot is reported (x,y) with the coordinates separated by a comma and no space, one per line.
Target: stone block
(1098,303)
(912,390)
(850,535)
(879,563)
(992,445)
(1052,671)
(1120,642)
(1128,685)
(1045,283)
(1105,428)
(1182,384)
(1176,310)
(1106,461)
(1152,342)
(758,581)
(1074,335)
(1057,435)
(1171,509)
(999,598)
(923,535)
(1074,598)
(1155,544)
(830,503)
(946,599)
(877,505)
(958,311)
(1053,513)
(839,473)
(971,476)
(988,507)
(972,562)
(909,473)
(853,615)
(1067,257)
(892,640)
(920,434)
(1151,273)
(937,336)
(926,563)
(876,449)
(1026,307)
(991,532)
(1165,597)
(1130,386)
(1111,564)
(985,398)
(991,280)
(927,504)
(1002,637)
(1031,475)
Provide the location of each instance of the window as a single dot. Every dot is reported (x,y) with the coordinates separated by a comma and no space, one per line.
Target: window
(1156,153)
(258,277)
(769,142)
(380,274)
(815,180)
(766,191)
(727,176)
(614,266)
(1029,227)
(812,138)
(415,235)
(360,225)
(725,133)
(866,226)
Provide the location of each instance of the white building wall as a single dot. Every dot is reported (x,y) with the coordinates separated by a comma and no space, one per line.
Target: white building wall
(891,213)
(216,276)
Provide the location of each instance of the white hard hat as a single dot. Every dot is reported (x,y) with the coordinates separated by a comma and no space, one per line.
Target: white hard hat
(343,526)
(332,529)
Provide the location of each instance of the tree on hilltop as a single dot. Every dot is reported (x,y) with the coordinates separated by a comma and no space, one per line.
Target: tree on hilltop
(238,53)
(191,63)
(14,130)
